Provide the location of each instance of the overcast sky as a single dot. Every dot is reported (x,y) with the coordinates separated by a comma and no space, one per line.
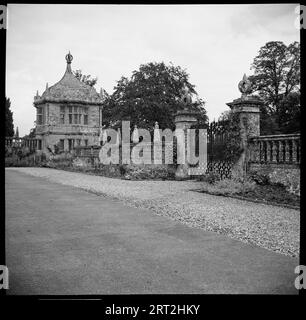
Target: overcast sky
(216,44)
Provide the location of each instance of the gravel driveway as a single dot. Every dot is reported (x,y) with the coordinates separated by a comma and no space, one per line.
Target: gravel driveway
(270,227)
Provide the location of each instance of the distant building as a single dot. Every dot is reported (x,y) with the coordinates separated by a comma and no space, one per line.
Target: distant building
(68,114)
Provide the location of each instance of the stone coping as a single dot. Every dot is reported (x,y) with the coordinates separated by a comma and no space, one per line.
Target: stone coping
(247,99)
(277,137)
(67,100)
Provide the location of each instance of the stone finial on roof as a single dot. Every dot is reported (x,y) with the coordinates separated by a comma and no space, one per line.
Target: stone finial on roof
(245,85)
(69,57)
(101,93)
(186,96)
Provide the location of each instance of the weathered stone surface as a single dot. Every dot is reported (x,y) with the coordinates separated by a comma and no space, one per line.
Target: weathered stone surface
(69,89)
(248,108)
(69,92)
(183,120)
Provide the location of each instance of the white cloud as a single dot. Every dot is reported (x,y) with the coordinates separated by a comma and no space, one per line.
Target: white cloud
(216,44)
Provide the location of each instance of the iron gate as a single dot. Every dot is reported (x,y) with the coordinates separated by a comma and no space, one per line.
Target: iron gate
(217,138)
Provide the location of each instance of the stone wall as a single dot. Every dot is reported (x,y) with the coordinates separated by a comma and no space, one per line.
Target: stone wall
(52,131)
(165,152)
(278,157)
(289,175)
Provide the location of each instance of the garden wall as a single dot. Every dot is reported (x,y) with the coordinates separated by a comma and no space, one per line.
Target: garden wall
(278,157)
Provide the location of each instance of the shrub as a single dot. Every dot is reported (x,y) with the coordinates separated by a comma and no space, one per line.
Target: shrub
(122,169)
(11,161)
(110,170)
(80,163)
(210,177)
(290,179)
(31,160)
(60,161)
(8,151)
(260,178)
(62,156)
(140,172)
(229,187)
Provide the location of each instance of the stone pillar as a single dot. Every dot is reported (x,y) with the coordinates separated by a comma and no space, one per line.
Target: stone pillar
(183,120)
(248,108)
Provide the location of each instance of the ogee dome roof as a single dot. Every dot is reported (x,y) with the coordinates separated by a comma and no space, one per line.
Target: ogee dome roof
(70,89)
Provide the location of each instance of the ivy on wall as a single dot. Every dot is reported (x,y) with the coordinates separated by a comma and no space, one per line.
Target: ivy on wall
(225,144)
(233,140)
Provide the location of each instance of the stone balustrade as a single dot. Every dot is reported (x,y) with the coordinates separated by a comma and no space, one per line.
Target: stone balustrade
(275,149)
(30,143)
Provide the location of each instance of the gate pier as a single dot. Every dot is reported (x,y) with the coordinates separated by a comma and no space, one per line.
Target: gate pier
(248,107)
(184,119)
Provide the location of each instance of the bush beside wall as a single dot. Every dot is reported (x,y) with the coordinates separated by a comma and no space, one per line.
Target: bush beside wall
(144,172)
(287,176)
(129,172)
(32,160)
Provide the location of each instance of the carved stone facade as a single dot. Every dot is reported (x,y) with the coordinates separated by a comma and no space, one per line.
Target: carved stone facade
(68,113)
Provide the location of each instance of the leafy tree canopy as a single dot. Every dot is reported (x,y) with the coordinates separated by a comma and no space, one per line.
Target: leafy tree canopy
(85,78)
(31,134)
(289,114)
(276,72)
(151,94)
(276,80)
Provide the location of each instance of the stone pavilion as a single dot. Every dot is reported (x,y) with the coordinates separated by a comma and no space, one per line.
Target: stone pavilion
(68,114)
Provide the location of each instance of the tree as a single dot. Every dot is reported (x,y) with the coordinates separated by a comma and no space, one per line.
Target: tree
(31,134)
(151,94)
(9,125)
(268,121)
(225,116)
(85,78)
(17,133)
(277,76)
(289,114)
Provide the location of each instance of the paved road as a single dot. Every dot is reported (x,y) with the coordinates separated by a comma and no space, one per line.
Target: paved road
(62,240)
